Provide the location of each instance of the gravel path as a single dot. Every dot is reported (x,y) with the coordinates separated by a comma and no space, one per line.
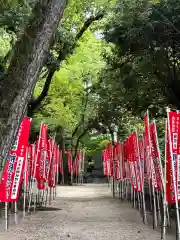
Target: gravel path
(83,213)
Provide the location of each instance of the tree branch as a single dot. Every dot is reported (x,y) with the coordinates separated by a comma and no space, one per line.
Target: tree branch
(88,23)
(33,104)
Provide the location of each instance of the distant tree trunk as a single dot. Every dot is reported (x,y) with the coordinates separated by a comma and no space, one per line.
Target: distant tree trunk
(30,52)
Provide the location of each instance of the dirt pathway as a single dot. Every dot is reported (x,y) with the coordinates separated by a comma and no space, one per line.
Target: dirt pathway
(83,213)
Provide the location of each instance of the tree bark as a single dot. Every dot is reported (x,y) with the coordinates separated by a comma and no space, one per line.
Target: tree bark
(77,143)
(29,55)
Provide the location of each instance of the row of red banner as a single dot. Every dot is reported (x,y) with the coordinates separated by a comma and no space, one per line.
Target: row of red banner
(40,162)
(138,158)
(75,166)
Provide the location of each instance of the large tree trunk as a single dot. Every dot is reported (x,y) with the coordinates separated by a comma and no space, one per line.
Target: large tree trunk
(30,51)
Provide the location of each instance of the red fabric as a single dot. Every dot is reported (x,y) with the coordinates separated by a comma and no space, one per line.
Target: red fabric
(147,145)
(14,168)
(70,163)
(171,152)
(156,157)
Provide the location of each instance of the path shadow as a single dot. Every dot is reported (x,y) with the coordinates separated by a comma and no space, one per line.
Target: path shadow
(48,209)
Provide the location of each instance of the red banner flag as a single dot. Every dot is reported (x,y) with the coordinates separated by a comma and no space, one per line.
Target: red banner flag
(141,153)
(137,162)
(171,155)
(60,162)
(107,162)
(70,163)
(14,168)
(120,168)
(178,165)
(105,167)
(147,147)
(42,157)
(110,157)
(26,168)
(76,164)
(131,161)
(52,171)
(156,157)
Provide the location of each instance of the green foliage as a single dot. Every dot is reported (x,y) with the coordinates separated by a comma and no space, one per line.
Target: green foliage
(95,143)
(64,102)
(16,16)
(6,4)
(144,64)
(5,45)
(122,65)
(78,11)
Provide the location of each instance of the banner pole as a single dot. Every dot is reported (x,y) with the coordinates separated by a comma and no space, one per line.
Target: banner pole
(154,208)
(50,162)
(113,187)
(50,193)
(54,192)
(33,177)
(174,179)
(131,193)
(42,198)
(128,190)
(78,173)
(80,169)
(134,198)
(57,177)
(158,208)
(142,183)
(6,215)
(72,176)
(82,172)
(163,187)
(24,204)
(63,176)
(122,182)
(25,187)
(168,217)
(124,189)
(119,183)
(139,203)
(62,167)
(30,193)
(38,197)
(35,201)
(15,212)
(150,196)
(126,197)
(47,192)
(144,207)
(57,174)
